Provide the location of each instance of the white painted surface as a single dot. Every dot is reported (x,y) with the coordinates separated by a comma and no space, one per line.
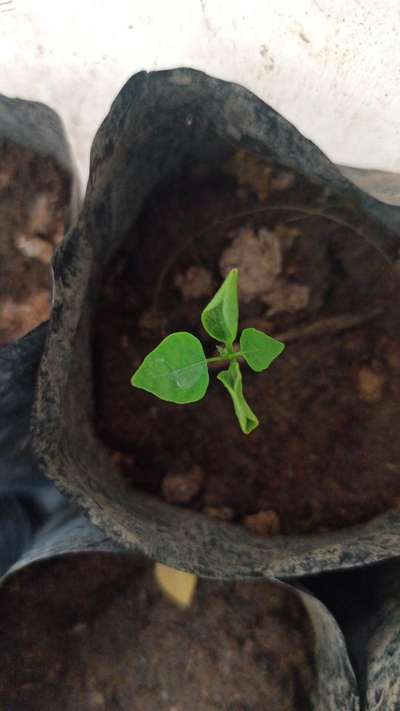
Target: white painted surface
(332,67)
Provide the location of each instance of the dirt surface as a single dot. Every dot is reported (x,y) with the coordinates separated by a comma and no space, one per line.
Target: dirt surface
(33,201)
(327,452)
(94,632)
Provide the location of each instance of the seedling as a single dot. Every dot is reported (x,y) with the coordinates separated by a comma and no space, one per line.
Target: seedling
(178,369)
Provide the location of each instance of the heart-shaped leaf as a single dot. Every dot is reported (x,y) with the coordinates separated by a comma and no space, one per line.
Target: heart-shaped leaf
(258,349)
(175,371)
(232,379)
(221,315)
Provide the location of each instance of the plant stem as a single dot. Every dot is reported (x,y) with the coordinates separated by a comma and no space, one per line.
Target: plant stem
(226,357)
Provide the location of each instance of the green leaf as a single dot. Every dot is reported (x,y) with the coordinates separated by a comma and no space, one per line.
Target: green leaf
(258,349)
(232,379)
(175,371)
(221,315)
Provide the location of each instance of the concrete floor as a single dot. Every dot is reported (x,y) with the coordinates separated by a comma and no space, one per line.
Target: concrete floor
(330,68)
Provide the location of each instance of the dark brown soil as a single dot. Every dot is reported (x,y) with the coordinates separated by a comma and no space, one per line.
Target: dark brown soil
(34,196)
(93,632)
(327,452)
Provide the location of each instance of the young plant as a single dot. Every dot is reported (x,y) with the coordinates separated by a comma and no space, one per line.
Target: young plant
(177,370)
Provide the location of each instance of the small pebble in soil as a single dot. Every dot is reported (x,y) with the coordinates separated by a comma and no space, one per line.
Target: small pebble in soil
(97,700)
(287,297)
(42,216)
(264,522)
(258,257)
(251,173)
(182,487)
(35,248)
(222,513)
(370,384)
(151,320)
(195,283)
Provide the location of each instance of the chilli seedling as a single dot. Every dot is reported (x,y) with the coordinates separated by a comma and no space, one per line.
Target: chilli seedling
(177,370)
